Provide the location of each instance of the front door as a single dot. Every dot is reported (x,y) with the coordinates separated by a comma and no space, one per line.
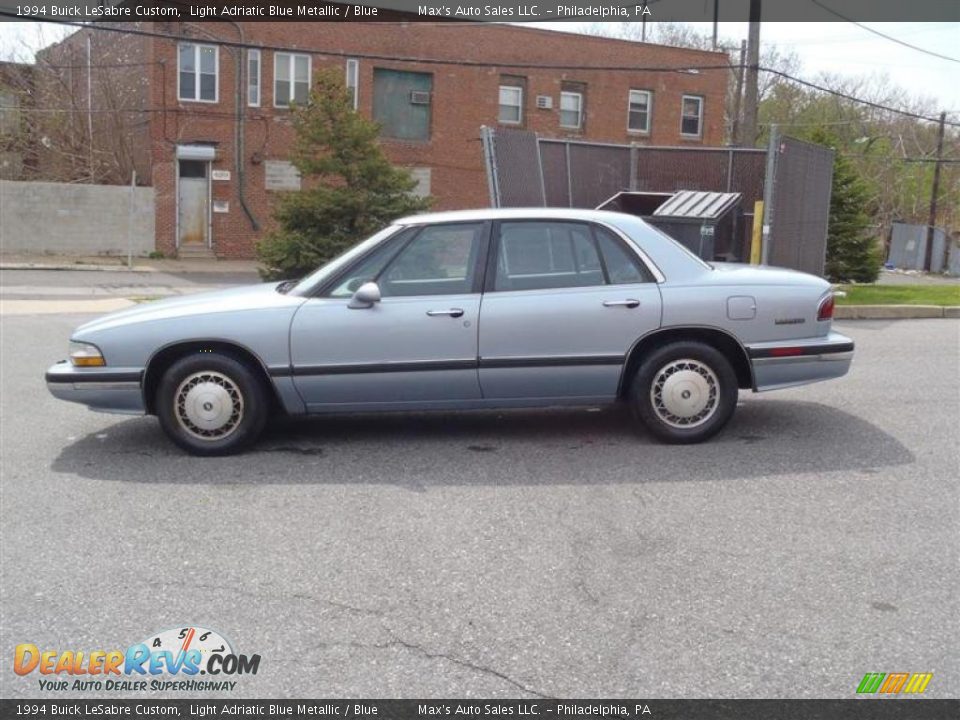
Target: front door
(566,302)
(193,204)
(416,346)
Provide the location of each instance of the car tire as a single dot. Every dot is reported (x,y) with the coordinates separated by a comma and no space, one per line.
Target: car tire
(211,404)
(684,392)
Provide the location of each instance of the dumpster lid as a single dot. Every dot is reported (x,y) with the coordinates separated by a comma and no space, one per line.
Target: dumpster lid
(696,204)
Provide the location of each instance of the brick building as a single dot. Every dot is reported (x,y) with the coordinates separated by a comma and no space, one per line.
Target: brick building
(213,133)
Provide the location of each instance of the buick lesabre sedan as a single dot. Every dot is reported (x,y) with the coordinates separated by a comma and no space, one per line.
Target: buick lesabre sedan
(467,310)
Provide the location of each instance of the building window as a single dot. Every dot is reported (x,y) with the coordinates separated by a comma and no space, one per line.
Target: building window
(402,103)
(571,110)
(691,121)
(291,79)
(638,115)
(253,78)
(198,70)
(511,104)
(353,81)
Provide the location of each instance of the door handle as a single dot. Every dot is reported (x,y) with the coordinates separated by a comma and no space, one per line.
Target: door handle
(629,302)
(452,312)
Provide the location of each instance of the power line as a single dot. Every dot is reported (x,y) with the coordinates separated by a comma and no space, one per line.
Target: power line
(485,64)
(898,41)
(370,56)
(853,98)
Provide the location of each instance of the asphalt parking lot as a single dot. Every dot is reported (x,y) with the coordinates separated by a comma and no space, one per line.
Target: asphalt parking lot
(506,554)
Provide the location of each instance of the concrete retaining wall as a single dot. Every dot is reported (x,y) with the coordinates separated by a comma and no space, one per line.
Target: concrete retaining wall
(61,218)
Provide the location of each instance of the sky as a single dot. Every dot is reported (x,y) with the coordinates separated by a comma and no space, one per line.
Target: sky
(847,49)
(838,47)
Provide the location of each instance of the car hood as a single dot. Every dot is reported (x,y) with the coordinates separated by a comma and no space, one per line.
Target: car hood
(742,274)
(247,297)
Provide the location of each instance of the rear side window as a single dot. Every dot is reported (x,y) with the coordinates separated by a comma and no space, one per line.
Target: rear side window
(544,255)
(541,255)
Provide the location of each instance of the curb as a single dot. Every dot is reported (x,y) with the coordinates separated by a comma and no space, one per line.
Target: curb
(894,312)
(78,266)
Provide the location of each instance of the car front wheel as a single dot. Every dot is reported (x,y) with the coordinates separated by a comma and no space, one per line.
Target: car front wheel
(211,404)
(684,392)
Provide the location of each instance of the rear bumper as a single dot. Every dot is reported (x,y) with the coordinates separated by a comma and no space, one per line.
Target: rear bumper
(112,390)
(798,362)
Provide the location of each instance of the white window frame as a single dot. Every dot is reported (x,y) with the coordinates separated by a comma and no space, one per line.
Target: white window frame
(683,101)
(579,96)
(519,105)
(645,130)
(196,73)
(293,65)
(251,55)
(353,73)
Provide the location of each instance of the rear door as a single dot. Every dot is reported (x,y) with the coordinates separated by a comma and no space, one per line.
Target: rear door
(563,303)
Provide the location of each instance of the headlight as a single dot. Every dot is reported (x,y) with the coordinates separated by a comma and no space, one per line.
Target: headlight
(85,355)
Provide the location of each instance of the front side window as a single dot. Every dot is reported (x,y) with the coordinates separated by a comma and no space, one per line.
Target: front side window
(511,104)
(571,110)
(253,78)
(542,255)
(692,116)
(638,115)
(198,69)
(291,79)
(439,260)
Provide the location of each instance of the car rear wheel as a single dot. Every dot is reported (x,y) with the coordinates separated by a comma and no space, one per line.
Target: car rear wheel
(211,404)
(685,392)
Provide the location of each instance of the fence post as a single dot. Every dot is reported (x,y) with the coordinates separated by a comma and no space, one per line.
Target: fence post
(133,186)
(490,158)
(768,191)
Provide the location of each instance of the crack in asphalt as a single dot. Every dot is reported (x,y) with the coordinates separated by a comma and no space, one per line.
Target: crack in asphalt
(261,595)
(396,642)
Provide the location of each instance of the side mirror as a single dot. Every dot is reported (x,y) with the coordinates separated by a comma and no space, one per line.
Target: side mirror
(365,296)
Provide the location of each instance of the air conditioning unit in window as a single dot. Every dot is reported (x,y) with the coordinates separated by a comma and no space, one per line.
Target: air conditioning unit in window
(544,102)
(419,97)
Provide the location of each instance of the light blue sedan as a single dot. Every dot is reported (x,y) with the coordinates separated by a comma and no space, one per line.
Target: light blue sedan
(467,310)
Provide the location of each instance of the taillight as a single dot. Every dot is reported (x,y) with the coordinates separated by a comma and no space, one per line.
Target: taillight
(825,311)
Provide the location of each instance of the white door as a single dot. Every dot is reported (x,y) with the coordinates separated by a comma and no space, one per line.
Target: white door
(193,204)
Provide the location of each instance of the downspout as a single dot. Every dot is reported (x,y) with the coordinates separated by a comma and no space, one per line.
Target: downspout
(239,126)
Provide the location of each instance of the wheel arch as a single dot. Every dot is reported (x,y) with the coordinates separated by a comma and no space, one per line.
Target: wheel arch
(719,339)
(162,359)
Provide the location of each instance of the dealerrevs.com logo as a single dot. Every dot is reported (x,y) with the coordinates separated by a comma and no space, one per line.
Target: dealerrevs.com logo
(894,683)
(167,661)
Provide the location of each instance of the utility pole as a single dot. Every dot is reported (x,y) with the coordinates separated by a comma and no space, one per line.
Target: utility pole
(716,19)
(749,128)
(735,138)
(90,106)
(928,255)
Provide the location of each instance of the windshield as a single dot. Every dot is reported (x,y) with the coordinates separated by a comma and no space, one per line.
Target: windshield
(307,285)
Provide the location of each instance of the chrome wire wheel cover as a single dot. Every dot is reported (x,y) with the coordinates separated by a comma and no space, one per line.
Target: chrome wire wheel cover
(209,405)
(685,393)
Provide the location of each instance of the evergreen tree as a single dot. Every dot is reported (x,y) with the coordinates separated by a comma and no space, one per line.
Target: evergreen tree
(852,253)
(350,188)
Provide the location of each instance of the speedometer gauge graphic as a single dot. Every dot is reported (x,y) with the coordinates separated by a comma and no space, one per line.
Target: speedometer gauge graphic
(183,639)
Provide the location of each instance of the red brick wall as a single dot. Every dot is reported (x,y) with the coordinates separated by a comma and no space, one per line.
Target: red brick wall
(464,98)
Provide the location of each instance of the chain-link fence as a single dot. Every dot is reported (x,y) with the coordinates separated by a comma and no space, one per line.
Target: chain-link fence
(525,170)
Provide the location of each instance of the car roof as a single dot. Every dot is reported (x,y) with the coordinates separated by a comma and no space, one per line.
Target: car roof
(533,213)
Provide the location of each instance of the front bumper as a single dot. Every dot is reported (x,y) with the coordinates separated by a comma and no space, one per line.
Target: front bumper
(112,390)
(783,364)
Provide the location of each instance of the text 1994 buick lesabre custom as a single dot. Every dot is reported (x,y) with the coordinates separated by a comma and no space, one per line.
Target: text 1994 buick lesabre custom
(480,309)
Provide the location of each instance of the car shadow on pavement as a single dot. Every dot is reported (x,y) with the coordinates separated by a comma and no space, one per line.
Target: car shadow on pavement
(560,447)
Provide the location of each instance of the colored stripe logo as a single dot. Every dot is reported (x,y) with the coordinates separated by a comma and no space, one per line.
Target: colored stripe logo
(894,683)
